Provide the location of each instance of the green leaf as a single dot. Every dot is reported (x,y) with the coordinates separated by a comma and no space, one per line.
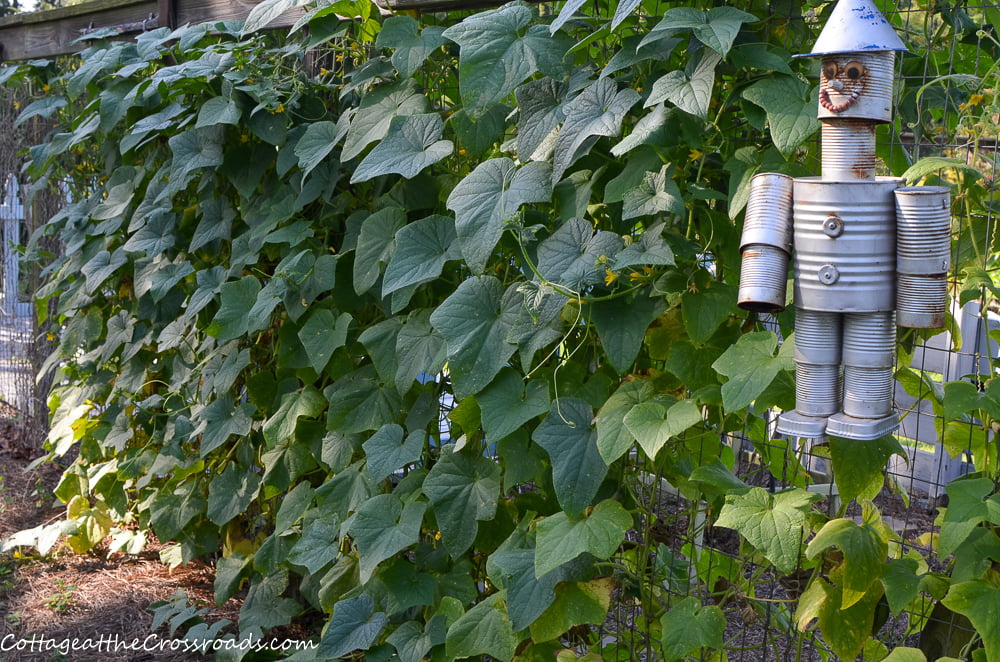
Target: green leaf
(906,654)
(473,323)
(380,343)
(218,110)
(598,533)
(229,574)
(705,311)
(316,143)
(322,334)
(422,248)
(621,325)
(266,12)
(653,425)
(169,513)
(776,524)
(488,197)
(689,90)
(613,437)
(932,164)
(656,194)
(386,450)
(864,552)
(383,527)
(264,608)
(464,491)
(360,402)
(574,254)
(689,626)
(577,466)
(411,144)
(508,403)
(576,603)
(499,49)
(376,112)
(237,300)
(308,403)
(355,625)
(539,108)
(376,246)
(100,267)
(318,544)
(970,502)
(860,468)
(791,110)
(901,583)
(478,135)
(293,506)
(231,492)
(649,249)
(751,366)
(597,111)
(845,630)
(193,149)
(483,630)
(411,46)
(419,349)
(716,28)
(979,601)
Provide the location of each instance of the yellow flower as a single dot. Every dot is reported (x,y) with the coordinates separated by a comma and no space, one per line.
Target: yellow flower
(437,536)
(17,104)
(244,138)
(976,99)
(635,276)
(279,109)
(609,277)
(46,88)
(323,72)
(462,152)
(695,154)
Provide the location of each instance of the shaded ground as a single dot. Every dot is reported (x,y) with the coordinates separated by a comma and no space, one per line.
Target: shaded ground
(65,595)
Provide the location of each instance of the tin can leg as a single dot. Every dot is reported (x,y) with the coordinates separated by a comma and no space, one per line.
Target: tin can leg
(818,374)
(869,352)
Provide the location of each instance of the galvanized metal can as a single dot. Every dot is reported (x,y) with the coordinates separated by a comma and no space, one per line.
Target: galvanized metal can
(869,340)
(923,255)
(857,85)
(818,389)
(818,337)
(868,391)
(768,218)
(921,301)
(845,244)
(848,152)
(923,230)
(763,279)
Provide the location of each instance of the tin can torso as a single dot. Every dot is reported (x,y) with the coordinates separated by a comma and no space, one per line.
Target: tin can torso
(845,244)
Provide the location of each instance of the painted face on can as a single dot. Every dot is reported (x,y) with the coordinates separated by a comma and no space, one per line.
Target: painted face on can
(842,82)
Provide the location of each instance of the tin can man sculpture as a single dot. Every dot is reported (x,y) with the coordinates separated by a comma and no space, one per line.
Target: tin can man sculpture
(867,253)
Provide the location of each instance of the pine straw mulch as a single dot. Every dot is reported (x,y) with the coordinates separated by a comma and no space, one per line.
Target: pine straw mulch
(65,595)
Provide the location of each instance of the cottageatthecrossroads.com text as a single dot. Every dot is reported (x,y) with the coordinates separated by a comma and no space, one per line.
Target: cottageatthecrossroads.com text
(109,643)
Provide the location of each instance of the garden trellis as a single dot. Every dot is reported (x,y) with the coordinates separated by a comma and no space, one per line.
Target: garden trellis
(244,351)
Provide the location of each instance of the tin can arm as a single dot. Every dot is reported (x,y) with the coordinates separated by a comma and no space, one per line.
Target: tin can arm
(766,244)
(923,255)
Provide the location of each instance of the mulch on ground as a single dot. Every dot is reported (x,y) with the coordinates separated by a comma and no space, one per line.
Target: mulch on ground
(66,596)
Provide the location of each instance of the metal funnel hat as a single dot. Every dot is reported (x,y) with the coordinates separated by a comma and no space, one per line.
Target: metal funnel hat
(856,25)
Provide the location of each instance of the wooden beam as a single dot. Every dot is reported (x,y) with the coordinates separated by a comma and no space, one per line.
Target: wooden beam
(52,32)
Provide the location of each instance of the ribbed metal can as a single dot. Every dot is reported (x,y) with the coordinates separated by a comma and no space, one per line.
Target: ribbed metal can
(845,244)
(921,301)
(868,391)
(763,279)
(768,218)
(923,230)
(865,80)
(818,337)
(869,339)
(848,152)
(818,389)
